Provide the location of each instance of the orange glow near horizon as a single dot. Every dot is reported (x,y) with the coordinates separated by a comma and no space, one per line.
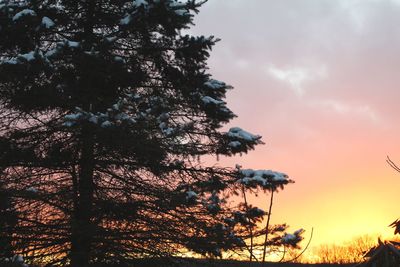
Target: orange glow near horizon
(339,205)
(337,213)
(319,81)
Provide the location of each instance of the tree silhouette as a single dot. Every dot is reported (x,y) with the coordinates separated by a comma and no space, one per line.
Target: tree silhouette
(106,110)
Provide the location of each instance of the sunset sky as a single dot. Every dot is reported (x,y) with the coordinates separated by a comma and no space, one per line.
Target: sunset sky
(320,81)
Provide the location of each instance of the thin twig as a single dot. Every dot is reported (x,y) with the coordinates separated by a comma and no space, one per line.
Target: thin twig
(249,228)
(267,226)
(392,164)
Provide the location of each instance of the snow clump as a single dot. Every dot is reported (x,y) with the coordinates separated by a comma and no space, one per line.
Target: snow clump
(24,13)
(238,133)
(210,100)
(32,190)
(191,195)
(292,239)
(47,22)
(214,84)
(266,179)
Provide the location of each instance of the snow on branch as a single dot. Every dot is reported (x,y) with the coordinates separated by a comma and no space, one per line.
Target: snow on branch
(24,13)
(32,56)
(240,134)
(293,239)
(47,23)
(118,114)
(265,179)
(216,85)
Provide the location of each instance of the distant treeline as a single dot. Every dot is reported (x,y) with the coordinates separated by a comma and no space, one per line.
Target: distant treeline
(219,263)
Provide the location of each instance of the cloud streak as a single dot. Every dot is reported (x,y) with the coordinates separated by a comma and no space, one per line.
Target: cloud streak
(296,76)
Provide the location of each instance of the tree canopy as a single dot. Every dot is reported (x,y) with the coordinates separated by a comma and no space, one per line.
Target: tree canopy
(106,110)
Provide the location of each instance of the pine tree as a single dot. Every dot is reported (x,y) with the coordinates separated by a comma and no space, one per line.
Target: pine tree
(107,109)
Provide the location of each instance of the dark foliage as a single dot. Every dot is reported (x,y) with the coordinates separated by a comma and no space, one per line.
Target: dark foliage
(106,108)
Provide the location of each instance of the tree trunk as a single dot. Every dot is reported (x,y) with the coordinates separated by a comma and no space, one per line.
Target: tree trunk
(82,228)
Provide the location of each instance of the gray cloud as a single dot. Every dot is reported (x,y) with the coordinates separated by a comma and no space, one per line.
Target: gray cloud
(349,47)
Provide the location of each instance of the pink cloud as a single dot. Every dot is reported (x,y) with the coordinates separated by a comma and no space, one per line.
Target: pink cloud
(319,81)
